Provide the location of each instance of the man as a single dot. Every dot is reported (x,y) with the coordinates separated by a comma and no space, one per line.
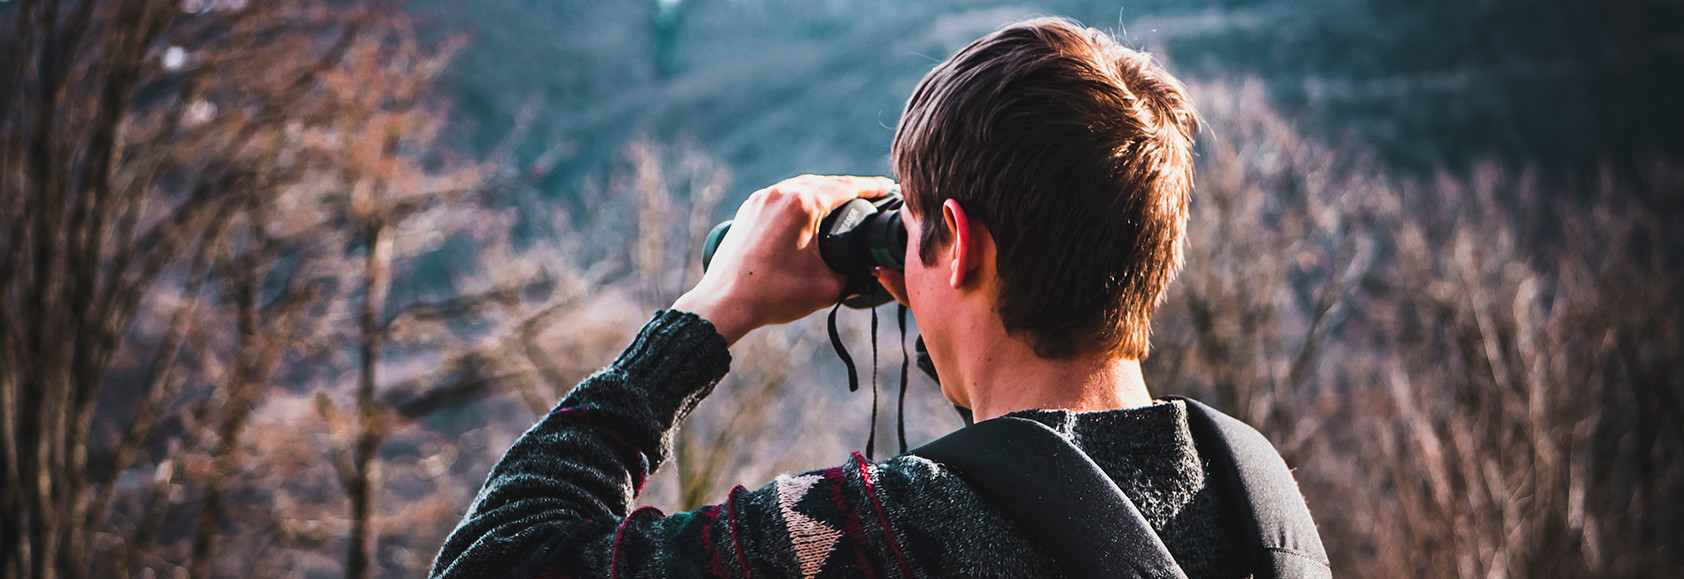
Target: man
(1047,172)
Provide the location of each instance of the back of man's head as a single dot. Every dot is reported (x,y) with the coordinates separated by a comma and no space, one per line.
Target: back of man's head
(1076,154)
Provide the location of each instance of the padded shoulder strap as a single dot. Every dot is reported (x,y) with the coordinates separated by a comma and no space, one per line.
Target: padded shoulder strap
(1063,499)
(1260,489)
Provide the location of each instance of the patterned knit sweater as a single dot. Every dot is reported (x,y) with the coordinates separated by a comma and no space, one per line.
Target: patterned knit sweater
(558,504)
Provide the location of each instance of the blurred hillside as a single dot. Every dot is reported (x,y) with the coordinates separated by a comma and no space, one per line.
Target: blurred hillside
(268,311)
(778,88)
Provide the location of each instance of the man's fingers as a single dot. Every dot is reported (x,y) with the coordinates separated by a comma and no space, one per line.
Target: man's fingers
(834,190)
(874,187)
(881,186)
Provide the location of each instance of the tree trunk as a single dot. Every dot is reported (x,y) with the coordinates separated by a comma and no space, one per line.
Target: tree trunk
(364,484)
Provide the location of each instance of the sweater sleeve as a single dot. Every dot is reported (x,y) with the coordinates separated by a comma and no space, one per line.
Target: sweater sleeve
(558,503)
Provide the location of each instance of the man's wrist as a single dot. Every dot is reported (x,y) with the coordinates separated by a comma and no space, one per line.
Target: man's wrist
(730,319)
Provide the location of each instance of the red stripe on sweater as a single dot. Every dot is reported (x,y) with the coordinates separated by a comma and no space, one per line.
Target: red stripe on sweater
(736,532)
(709,522)
(882,517)
(614,555)
(619,534)
(851,526)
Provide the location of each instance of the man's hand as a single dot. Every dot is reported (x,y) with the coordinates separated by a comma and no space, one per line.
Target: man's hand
(767,270)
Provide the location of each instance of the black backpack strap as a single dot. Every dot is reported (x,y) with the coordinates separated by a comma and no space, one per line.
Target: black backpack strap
(1057,492)
(1258,486)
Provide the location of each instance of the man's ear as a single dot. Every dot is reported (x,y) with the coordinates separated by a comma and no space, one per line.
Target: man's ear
(966,249)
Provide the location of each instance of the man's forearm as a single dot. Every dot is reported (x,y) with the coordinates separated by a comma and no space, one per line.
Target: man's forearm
(731,320)
(588,458)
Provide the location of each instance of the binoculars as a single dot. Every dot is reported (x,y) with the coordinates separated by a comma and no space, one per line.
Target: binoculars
(854,239)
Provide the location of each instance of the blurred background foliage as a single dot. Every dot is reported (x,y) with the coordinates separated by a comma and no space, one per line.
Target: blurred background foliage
(282,280)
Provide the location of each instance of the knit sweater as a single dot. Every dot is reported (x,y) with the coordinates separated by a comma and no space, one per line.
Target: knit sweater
(559,503)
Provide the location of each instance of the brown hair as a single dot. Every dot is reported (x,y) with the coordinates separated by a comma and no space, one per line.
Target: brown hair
(1076,153)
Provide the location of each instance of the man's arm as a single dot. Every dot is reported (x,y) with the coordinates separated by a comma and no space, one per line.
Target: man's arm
(562,492)
(558,503)
(580,467)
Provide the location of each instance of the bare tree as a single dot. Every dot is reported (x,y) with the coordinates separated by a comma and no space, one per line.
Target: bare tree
(216,167)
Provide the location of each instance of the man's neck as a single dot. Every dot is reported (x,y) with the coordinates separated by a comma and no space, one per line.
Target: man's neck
(1003,374)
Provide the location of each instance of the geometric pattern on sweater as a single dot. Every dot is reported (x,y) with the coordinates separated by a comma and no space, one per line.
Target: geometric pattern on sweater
(812,540)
